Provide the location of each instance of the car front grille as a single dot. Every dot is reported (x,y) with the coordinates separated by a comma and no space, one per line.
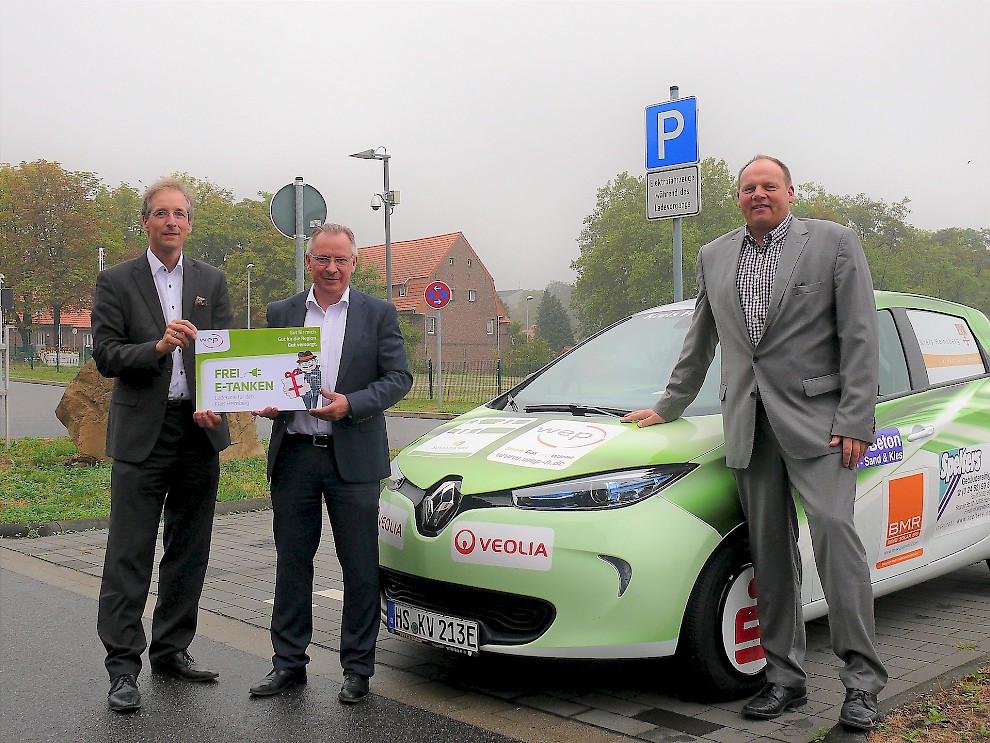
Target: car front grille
(504,618)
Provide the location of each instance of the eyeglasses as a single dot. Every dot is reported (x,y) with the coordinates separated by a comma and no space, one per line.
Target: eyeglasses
(323,261)
(179,214)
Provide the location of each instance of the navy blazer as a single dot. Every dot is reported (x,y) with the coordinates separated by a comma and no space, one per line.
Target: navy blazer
(374,375)
(127,323)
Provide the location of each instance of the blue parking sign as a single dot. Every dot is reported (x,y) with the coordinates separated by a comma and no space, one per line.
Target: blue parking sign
(672,133)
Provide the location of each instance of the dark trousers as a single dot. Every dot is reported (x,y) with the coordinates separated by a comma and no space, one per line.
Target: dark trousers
(304,477)
(828,494)
(179,478)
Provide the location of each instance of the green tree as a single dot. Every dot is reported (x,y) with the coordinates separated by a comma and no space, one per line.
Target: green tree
(528,355)
(552,323)
(626,261)
(50,227)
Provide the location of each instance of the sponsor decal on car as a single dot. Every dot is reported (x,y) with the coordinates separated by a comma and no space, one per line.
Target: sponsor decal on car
(469,437)
(391,524)
(887,449)
(527,547)
(964,488)
(555,444)
(905,512)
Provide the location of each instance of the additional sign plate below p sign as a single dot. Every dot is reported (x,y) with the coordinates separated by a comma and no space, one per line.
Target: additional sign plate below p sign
(437,294)
(674,192)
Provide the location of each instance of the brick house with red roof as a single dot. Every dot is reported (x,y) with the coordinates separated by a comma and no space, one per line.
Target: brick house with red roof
(473,324)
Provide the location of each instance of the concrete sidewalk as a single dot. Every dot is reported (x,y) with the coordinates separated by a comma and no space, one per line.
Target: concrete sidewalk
(923,632)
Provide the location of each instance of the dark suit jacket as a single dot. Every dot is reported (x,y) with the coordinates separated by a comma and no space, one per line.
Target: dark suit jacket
(127,323)
(817,364)
(374,375)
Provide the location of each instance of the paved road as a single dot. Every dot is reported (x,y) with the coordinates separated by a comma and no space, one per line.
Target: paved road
(32,413)
(54,689)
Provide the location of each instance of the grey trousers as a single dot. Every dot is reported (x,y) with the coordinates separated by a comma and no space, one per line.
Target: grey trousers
(827,491)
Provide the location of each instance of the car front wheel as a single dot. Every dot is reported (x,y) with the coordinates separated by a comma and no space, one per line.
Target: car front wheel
(719,648)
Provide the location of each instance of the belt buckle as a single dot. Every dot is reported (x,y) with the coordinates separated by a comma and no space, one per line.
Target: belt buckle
(321,440)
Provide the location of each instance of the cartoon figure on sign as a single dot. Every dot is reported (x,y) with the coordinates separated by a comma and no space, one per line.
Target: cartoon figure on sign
(308,388)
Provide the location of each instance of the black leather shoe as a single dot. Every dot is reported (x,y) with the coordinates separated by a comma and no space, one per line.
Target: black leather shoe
(860,710)
(354,690)
(181,665)
(124,695)
(774,700)
(278,681)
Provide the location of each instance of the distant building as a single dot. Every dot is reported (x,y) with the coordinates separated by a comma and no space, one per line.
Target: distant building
(77,330)
(473,324)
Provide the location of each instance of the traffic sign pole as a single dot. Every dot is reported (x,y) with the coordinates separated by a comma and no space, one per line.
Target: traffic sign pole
(439,364)
(437,295)
(677,230)
(300,235)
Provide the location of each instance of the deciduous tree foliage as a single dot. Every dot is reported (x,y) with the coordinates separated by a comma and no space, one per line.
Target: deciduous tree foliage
(625,261)
(552,323)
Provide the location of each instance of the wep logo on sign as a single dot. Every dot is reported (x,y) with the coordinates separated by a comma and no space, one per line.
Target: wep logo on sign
(672,133)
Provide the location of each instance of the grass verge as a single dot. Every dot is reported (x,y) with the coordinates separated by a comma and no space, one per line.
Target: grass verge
(39,482)
(958,713)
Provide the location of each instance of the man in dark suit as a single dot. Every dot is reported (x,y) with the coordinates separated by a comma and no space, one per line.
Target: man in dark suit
(791,302)
(337,453)
(146,313)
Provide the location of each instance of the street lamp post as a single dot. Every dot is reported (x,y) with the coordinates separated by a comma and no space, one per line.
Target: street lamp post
(388,199)
(249,267)
(528,300)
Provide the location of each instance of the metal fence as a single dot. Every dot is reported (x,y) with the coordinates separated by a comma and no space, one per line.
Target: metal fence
(465,380)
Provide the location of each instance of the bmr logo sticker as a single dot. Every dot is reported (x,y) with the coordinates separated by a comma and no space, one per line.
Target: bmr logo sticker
(905,511)
(527,547)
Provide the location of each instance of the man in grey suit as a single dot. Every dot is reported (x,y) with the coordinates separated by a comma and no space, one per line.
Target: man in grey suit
(791,302)
(335,453)
(146,313)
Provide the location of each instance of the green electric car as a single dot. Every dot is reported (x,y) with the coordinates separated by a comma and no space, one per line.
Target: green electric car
(539,525)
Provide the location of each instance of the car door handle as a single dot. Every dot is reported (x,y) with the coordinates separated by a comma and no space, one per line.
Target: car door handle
(920,432)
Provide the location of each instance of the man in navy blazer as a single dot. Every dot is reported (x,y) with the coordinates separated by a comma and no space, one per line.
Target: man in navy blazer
(146,313)
(791,303)
(335,453)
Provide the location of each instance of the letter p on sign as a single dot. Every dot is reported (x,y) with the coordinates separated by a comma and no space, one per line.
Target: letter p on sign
(672,134)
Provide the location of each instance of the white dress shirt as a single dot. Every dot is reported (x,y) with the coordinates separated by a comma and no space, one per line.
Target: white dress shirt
(169,286)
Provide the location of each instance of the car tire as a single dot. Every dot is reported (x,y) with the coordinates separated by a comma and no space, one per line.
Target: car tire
(718,649)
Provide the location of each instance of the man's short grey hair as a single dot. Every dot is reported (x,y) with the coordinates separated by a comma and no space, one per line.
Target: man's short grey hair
(166,184)
(787,171)
(332,228)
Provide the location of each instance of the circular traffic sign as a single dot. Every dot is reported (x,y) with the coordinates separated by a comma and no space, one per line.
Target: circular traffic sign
(283,210)
(437,294)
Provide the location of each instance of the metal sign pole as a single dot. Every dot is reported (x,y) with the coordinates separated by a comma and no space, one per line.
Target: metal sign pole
(439,364)
(300,235)
(5,379)
(678,251)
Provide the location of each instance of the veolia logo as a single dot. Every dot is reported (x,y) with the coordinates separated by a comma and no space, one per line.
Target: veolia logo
(528,547)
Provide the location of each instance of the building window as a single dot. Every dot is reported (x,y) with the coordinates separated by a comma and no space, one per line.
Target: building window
(431,326)
(469,262)
(472,295)
(402,290)
(490,327)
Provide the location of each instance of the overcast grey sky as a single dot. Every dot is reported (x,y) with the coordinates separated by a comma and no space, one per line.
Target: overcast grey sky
(502,118)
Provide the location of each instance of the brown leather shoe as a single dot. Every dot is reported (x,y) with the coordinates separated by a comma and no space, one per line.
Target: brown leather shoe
(774,700)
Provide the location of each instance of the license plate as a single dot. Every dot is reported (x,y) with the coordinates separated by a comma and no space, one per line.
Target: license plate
(452,633)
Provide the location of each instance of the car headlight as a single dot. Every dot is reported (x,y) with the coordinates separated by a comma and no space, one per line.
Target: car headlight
(610,490)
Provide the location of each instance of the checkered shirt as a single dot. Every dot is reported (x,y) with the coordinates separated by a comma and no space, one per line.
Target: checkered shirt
(754,279)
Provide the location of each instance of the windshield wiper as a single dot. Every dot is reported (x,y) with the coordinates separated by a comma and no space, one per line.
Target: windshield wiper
(575,409)
(510,402)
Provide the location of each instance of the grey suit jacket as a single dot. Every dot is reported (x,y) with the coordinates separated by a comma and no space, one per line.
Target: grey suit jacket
(815,368)
(374,375)
(127,323)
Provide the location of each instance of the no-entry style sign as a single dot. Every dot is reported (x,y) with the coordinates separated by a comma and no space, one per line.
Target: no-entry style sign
(437,294)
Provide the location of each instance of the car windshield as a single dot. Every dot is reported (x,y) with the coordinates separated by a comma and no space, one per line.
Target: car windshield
(625,368)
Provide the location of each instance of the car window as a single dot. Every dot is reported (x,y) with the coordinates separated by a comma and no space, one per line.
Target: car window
(625,367)
(947,345)
(893,365)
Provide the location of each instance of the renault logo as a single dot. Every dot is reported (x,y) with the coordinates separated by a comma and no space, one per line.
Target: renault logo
(440,506)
